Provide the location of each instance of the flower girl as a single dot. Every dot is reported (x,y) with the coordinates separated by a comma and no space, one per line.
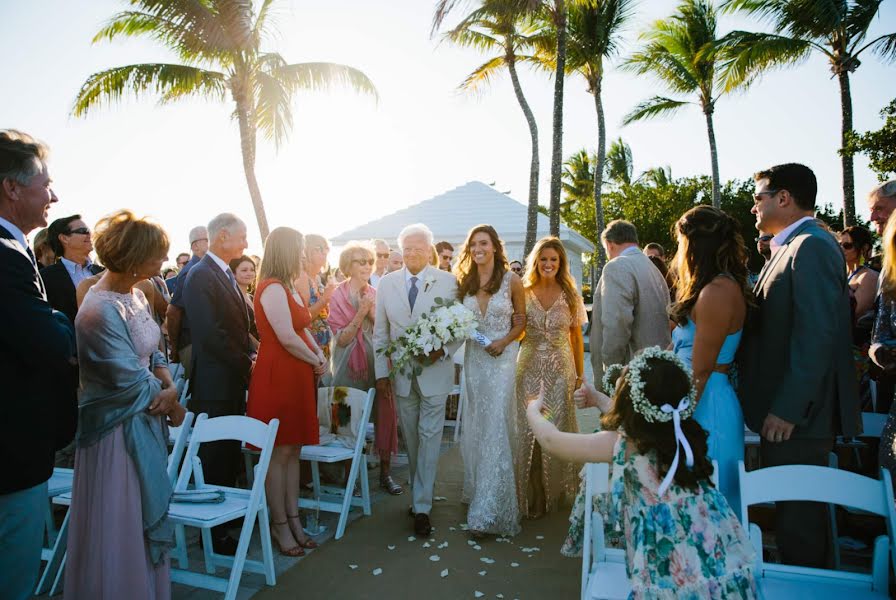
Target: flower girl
(681,537)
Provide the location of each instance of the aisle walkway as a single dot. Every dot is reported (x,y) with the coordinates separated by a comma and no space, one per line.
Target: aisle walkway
(527,566)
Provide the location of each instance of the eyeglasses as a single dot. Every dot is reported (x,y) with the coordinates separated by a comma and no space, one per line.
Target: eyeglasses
(757,197)
(764,238)
(516,269)
(382,255)
(847,245)
(80,230)
(362,262)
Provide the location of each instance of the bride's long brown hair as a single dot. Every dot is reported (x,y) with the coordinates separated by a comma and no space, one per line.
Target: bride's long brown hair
(467,272)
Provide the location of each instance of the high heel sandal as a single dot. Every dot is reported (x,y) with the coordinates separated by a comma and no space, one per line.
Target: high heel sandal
(294,552)
(309,543)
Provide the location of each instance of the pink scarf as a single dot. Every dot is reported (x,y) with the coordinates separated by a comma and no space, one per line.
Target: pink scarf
(341,314)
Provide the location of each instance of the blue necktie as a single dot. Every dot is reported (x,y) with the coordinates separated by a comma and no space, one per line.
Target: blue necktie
(412,293)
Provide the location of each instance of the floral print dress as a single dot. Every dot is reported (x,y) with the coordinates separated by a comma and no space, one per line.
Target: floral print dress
(689,544)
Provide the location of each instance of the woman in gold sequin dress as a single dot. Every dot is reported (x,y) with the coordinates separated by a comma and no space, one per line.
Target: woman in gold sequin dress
(551,358)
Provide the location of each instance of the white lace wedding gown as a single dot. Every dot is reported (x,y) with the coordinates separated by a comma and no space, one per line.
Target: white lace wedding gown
(488,422)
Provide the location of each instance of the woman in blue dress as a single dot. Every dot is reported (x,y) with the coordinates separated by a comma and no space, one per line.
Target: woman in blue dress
(709,313)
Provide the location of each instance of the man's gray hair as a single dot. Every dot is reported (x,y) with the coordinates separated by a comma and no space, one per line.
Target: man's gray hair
(620,232)
(379,242)
(415,229)
(21,156)
(197,233)
(886,189)
(223,221)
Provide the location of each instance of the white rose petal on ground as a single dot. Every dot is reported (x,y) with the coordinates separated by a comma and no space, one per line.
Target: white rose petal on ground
(435,558)
(353,567)
(499,596)
(442,545)
(452,529)
(481,573)
(412,538)
(487,560)
(426,545)
(514,564)
(478,594)
(471,543)
(539,537)
(391,547)
(377,572)
(477,547)
(444,573)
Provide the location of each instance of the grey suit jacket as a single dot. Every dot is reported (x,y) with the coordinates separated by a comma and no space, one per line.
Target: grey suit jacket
(795,360)
(629,312)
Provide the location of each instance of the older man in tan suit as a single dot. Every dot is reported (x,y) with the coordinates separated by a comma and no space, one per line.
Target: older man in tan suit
(630,300)
(403,296)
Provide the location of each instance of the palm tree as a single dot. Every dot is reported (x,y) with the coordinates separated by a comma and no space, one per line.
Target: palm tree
(618,166)
(682,51)
(657,176)
(554,11)
(498,29)
(578,179)
(216,34)
(594,28)
(835,29)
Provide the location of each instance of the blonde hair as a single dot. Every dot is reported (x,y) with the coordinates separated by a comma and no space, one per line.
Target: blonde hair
(123,241)
(351,252)
(532,276)
(282,259)
(888,272)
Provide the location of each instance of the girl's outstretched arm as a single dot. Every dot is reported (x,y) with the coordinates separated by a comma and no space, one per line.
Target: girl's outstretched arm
(574,447)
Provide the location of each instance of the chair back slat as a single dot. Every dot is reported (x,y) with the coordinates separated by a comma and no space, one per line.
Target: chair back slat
(232,427)
(873,424)
(180,435)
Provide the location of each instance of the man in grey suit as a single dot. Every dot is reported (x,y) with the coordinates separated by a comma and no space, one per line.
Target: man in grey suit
(797,380)
(629,311)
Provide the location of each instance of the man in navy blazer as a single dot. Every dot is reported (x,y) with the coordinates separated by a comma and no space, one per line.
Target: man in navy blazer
(221,363)
(36,348)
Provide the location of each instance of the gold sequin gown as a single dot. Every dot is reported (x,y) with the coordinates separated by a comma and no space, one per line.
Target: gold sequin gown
(546,358)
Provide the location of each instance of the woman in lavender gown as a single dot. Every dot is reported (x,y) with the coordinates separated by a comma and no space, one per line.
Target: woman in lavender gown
(118,533)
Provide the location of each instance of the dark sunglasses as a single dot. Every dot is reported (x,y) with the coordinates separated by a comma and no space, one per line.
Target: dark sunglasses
(382,255)
(847,245)
(366,261)
(764,238)
(757,197)
(81,230)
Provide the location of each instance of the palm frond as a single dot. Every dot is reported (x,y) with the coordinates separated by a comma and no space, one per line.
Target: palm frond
(477,39)
(482,76)
(884,47)
(745,55)
(859,19)
(323,76)
(273,108)
(263,22)
(652,108)
(665,66)
(167,80)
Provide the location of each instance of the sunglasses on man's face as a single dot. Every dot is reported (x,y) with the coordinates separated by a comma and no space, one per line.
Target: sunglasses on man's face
(382,255)
(764,238)
(81,230)
(366,261)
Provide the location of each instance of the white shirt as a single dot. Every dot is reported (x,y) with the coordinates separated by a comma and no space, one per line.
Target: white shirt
(224,266)
(375,279)
(778,241)
(78,273)
(407,279)
(15,231)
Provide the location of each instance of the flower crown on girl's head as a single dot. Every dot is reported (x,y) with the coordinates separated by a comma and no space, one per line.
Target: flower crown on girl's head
(665,413)
(644,407)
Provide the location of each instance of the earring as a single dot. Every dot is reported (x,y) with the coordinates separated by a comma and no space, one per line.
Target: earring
(135,274)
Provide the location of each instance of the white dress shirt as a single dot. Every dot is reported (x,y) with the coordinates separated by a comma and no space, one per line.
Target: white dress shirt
(78,273)
(778,241)
(15,231)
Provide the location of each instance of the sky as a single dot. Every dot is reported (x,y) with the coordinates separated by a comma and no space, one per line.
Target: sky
(351,159)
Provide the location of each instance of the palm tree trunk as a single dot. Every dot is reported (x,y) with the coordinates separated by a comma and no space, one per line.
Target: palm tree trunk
(601,257)
(247,143)
(714,158)
(557,152)
(849,198)
(534,166)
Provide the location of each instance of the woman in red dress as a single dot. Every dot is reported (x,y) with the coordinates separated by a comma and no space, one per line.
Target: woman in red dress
(282,385)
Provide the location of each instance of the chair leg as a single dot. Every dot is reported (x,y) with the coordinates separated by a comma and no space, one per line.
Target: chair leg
(264,534)
(180,551)
(54,565)
(347,495)
(239,559)
(50,525)
(315,479)
(207,550)
(58,580)
(365,486)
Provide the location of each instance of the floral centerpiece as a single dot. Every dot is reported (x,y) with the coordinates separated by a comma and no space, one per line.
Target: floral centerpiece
(446,322)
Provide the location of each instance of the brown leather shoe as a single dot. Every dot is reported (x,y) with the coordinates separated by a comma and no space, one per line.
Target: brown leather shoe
(421,524)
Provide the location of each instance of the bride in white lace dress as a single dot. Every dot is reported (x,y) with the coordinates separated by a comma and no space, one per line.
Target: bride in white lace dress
(488,288)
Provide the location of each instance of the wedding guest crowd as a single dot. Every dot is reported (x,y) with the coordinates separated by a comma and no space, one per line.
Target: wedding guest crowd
(798,333)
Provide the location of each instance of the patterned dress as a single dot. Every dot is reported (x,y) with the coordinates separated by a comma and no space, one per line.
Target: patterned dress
(686,545)
(320,329)
(546,360)
(488,421)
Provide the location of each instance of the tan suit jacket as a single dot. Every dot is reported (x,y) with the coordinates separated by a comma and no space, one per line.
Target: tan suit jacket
(629,312)
(394,316)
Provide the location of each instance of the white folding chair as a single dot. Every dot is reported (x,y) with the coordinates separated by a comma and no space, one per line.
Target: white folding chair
(603,569)
(56,558)
(60,483)
(248,504)
(819,484)
(873,424)
(335,499)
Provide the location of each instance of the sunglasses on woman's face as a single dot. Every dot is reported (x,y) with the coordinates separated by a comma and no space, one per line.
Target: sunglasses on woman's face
(847,245)
(81,230)
(366,261)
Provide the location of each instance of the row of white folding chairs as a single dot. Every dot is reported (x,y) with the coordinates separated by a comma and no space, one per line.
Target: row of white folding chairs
(603,569)
(248,504)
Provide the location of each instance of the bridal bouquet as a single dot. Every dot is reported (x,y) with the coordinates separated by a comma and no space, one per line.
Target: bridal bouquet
(444,323)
